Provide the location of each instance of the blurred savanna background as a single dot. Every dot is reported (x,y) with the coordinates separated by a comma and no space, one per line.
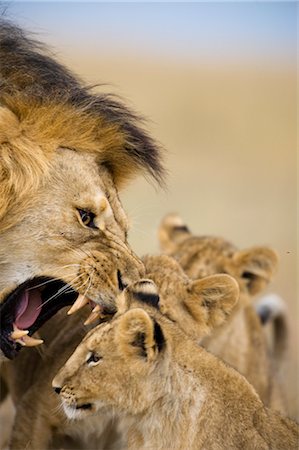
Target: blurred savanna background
(217,83)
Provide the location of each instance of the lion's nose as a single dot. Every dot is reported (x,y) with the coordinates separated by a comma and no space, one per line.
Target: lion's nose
(57,389)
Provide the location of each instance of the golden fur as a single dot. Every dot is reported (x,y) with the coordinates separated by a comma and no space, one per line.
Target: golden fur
(181,300)
(240,341)
(51,240)
(197,306)
(40,422)
(63,148)
(173,393)
(44,107)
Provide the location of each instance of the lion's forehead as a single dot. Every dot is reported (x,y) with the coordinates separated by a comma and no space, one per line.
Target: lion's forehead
(99,335)
(90,183)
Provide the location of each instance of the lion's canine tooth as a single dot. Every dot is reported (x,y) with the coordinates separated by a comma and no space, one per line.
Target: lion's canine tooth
(96,309)
(95,314)
(91,318)
(79,303)
(27,341)
(31,342)
(17,334)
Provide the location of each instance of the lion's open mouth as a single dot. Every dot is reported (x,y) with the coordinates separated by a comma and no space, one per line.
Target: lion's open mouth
(27,308)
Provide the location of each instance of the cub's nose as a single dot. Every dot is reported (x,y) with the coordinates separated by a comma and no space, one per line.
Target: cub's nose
(57,389)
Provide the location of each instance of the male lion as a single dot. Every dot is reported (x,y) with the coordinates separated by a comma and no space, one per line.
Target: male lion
(241,340)
(64,153)
(175,394)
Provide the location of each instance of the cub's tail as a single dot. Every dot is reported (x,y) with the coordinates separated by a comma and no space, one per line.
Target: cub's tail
(272,310)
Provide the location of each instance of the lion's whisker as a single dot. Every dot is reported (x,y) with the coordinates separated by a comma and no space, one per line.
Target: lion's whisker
(81,285)
(60,291)
(77,287)
(52,280)
(90,280)
(57,408)
(41,284)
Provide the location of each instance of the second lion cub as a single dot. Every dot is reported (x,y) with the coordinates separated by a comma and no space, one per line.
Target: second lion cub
(241,340)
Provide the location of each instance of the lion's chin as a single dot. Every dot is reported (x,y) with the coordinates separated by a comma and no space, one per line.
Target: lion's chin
(78,411)
(27,308)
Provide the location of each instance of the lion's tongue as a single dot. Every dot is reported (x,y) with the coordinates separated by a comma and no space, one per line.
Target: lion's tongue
(28,309)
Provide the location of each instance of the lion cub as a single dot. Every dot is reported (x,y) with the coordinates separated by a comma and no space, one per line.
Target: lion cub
(39,420)
(40,423)
(176,395)
(241,340)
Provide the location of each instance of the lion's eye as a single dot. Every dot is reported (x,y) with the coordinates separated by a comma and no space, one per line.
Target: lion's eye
(87,218)
(93,359)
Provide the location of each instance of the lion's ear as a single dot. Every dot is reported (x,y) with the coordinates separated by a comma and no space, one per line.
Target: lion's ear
(139,336)
(256,266)
(211,300)
(171,232)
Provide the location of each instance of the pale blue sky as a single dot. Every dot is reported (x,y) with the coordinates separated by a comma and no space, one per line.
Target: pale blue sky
(232,31)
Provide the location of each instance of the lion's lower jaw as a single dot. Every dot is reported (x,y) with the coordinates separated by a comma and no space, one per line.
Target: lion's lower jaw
(71,412)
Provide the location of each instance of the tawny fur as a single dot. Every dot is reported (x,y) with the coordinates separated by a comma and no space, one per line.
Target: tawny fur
(51,240)
(43,106)
(40,422)
(195,305)
(64,147)
(241,341)
(173,393)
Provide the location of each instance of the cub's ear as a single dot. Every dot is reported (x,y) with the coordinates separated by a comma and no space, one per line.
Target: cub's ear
(139,336)
(171,232)
(212,299)
(145,291)
(142,292)
(256,266)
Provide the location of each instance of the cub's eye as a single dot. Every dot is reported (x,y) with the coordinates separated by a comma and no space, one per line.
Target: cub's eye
(93,359)
(87,218)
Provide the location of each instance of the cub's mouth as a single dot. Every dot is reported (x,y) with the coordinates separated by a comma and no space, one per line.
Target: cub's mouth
(27,308)
(78,411)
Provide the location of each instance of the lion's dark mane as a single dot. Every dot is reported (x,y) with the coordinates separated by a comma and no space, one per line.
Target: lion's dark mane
(31,79)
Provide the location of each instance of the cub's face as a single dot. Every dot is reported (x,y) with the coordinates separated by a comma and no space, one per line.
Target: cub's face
(201,256)
(118,366)
(71,240)
(197,306)
(124,365)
